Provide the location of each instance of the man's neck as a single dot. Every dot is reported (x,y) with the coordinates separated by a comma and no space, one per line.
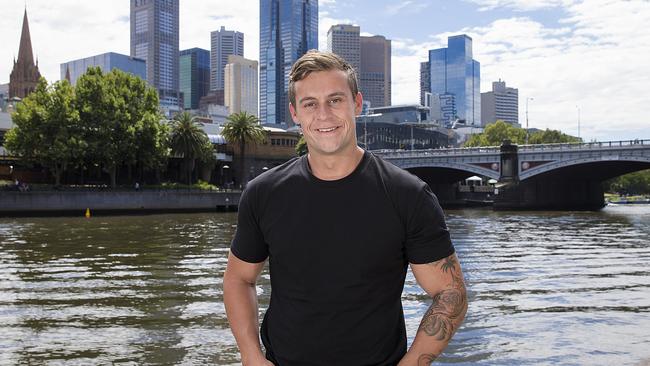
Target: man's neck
(333,167)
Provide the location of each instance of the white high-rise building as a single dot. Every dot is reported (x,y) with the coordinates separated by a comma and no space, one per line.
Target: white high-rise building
(240,93)
(502,103)
(344,40)
(223,43)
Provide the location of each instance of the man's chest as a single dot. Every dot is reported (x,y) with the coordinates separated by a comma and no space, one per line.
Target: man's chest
(334,236)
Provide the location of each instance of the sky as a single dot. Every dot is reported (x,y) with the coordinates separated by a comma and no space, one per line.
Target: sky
(577,61)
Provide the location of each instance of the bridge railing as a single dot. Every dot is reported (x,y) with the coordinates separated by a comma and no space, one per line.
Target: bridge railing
(586,145)
(437,152)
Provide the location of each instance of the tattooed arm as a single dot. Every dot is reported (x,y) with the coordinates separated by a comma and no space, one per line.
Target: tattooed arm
(443,281)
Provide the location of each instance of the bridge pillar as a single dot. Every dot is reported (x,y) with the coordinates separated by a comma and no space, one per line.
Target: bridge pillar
(509,163)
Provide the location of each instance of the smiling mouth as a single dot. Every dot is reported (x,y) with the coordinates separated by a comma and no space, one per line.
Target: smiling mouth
(330,129)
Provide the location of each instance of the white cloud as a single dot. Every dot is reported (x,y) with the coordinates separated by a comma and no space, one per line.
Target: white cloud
(70,29)
(519,5)
(406,6)
(596,60)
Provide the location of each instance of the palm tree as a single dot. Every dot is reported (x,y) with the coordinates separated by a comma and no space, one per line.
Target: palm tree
(243,128)
(188,140)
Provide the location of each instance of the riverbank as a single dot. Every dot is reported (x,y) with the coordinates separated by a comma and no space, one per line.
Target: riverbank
(114,202)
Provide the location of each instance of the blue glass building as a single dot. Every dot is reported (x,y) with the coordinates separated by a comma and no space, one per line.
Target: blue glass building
(194,78)
(288,29)
(454,71)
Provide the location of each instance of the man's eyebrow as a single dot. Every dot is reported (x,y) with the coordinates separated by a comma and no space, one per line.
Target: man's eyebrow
(306,98)
(336,94)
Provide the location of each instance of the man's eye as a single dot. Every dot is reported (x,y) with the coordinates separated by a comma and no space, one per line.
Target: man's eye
(309,105)
(335,101)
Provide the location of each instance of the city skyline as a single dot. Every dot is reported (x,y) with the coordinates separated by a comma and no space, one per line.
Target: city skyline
(571,57)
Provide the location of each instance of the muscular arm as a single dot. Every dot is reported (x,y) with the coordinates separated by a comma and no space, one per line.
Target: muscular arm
(240,298)
(443,281)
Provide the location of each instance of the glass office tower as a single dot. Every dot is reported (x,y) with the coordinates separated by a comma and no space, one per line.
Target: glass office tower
(154,38)
(194,76)
(454,71)
(288,29)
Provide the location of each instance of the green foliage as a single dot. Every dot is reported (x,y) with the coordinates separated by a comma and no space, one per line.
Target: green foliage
(551,137)
(495,133)
(243,128)
(48,130)
(122,121)
(633,183)
(301,146)
(107,120)
(205,186)
(190,141)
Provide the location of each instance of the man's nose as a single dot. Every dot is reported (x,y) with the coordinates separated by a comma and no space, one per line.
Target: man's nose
(323,111)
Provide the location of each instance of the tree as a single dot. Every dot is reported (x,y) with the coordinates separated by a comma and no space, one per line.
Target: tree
(189,141)
(495,133)
(301,146)
(243,128)
(552,137)
(47,129)
(632,183)
(121,121)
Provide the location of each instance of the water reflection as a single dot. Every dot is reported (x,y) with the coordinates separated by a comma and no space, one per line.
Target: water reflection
(544,288)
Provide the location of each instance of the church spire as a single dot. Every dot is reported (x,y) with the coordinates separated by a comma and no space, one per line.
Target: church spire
(25,74)
(25,55)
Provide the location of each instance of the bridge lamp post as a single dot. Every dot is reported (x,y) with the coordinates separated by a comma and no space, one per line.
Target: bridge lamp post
(578,107)
(527,133)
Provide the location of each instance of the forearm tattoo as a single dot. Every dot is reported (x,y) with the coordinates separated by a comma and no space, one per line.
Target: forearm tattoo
(426,359)
(449,305)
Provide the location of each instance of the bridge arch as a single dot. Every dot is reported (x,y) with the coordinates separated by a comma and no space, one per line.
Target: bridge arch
(599,169)
(456,169)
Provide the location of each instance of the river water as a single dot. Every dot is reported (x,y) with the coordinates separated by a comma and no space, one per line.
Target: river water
(563,288)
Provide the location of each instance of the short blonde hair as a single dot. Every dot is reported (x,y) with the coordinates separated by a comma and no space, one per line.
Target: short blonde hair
(315,60)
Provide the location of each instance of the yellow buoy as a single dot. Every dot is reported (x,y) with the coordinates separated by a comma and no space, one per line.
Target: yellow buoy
(87,213)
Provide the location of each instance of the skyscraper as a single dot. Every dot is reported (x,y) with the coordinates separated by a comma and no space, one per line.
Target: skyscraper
(154,38)
(240,93)
(454,71)
(425,81)
(25,74)
(288,29)
(502,103)
(194,76)
(223,43)
(375,78)
(344,40)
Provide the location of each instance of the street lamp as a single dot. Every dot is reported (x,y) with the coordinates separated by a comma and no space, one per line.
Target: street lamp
(527,99)
(578,107)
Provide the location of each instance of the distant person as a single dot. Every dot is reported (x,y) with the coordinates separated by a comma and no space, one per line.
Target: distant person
(339,226)
(137,186)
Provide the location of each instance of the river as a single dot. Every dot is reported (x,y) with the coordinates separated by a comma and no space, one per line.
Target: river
(562,288)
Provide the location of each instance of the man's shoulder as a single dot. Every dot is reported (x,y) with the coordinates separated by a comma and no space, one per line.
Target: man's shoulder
(396,177)
(276,176)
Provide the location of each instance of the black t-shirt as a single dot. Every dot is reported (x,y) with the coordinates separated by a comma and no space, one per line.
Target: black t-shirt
(338,253)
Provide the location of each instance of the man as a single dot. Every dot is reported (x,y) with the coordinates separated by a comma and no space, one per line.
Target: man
(339,227)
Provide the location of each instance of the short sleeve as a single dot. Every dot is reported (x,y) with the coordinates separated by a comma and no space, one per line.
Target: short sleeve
(248,243)
(427,236)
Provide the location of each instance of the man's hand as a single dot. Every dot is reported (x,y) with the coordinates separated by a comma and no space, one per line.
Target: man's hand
(443,281)
(240,298)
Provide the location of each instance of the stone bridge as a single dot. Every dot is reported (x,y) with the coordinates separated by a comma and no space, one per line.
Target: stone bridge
(550,176)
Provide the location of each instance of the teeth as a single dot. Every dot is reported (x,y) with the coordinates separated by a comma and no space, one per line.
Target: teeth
(326,129)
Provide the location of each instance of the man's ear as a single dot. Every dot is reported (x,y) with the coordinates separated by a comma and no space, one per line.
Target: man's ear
(358,103)
(294,116)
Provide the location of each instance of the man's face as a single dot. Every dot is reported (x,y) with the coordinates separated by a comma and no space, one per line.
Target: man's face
(325,108)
